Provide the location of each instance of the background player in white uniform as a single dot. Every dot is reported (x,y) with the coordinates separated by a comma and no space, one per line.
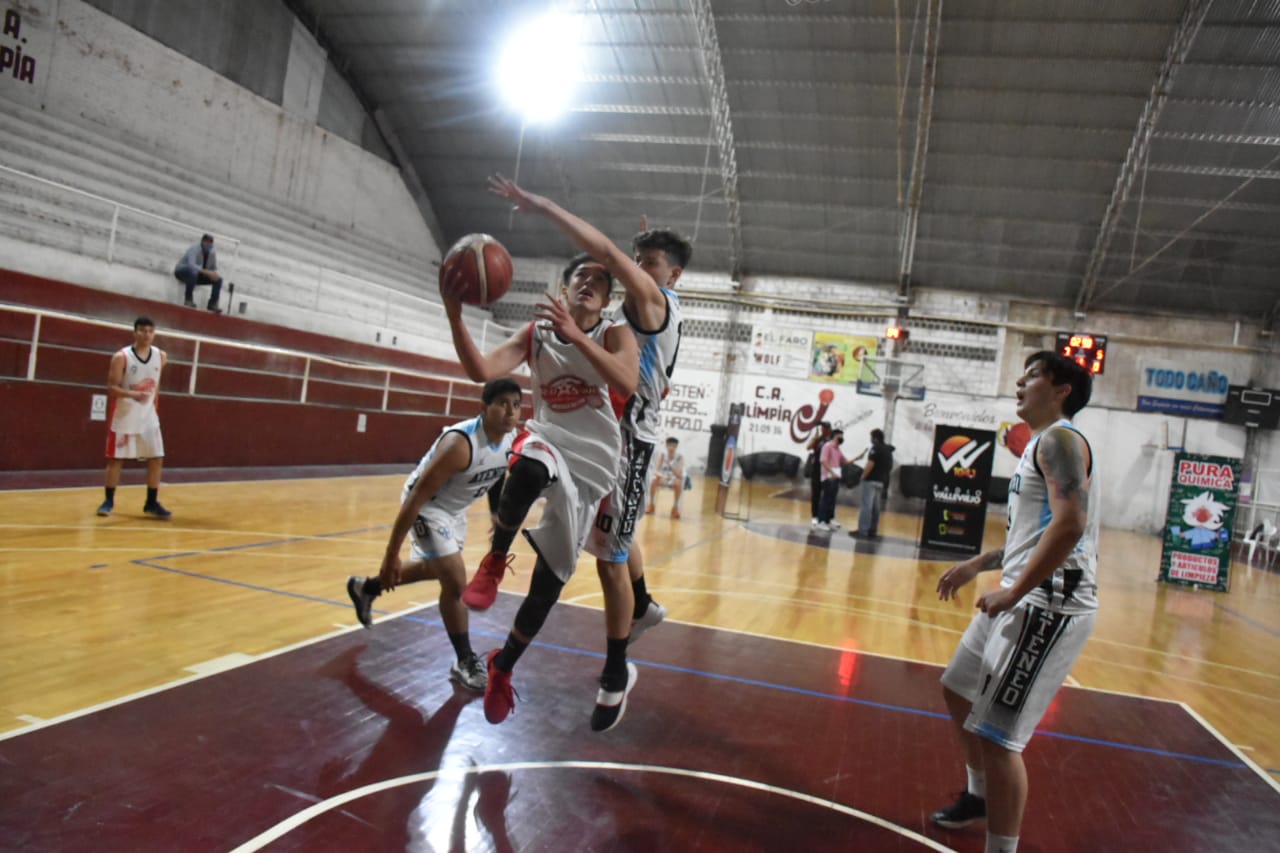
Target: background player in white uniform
(1018,651)
(652,312)
(462,465)
(583,370)
(668,473)
(133,421)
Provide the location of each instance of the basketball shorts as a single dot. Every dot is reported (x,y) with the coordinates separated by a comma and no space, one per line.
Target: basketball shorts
(1011,666)
(148,444)
(436,533)
(622,509)
(566,518)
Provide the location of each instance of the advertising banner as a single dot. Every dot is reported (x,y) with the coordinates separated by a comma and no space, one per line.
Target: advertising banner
(779,352)
(955,513)
(1198,524)
(837,358)
(1182,387)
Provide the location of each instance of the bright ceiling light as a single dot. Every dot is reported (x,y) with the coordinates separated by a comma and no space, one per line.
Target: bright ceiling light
(538,66)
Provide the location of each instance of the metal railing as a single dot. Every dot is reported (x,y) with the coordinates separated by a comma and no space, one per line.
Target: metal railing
(379,378)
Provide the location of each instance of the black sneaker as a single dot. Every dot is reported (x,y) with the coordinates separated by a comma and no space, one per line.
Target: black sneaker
(188,303)
(612,704)
(215,309)
(156,510)
(965,810)
(106,508)
(362,600)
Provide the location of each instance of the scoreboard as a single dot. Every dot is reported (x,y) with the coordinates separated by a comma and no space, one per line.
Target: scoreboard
(1088,351)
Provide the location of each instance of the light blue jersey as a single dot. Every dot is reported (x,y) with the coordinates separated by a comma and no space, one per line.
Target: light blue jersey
(488,462)
(658,351)
(1073,587)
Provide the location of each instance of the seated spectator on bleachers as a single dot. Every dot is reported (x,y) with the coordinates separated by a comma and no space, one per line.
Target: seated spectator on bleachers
(200,266)
(668,473)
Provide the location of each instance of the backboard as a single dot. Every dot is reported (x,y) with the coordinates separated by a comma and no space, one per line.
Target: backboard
(890,377)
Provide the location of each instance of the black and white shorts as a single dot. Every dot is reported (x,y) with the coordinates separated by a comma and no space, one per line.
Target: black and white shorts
(1011,666)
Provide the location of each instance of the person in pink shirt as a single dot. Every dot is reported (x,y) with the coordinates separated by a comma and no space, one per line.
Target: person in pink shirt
(831,460)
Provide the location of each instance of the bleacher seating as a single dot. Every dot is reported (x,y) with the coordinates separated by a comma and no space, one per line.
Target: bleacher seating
(290,267)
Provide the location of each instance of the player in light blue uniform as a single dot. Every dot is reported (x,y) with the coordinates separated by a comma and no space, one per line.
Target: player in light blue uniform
(1018,651)
(462,465)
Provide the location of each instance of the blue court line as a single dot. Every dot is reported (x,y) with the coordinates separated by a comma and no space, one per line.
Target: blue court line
(1273,632)
(751,682)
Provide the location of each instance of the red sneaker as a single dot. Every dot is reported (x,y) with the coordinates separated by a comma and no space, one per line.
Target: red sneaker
(483,589)
(499,695)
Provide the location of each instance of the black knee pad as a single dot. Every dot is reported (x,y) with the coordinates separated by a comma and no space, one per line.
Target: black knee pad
(524,482)
(544,592)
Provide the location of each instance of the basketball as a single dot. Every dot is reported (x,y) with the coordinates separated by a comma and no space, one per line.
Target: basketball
(480,266)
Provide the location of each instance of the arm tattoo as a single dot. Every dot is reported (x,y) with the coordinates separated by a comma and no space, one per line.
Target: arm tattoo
(991,560)
(1062,460)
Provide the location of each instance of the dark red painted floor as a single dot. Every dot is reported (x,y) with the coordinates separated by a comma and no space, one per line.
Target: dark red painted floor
(210,764)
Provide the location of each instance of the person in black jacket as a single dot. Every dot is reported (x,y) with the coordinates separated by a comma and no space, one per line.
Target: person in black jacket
(815,471)
(875,480)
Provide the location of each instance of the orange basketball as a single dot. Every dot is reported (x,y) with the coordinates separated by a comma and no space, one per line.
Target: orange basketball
(481,265)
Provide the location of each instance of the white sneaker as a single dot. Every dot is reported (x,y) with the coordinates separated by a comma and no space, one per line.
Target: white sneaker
(813,522)
(834,525)
(470,672)
(653,614)
(822,527)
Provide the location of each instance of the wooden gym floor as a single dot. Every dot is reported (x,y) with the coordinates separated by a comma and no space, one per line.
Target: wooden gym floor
(201,684)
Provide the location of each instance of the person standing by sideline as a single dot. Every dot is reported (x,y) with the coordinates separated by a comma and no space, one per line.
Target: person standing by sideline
(199,266)
(815,475)
(462,465)
(831,460)
(1018,651)
(874,484)
(133,431)
(583,369)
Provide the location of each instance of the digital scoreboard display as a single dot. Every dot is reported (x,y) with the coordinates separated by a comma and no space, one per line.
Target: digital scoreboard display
(1088,351)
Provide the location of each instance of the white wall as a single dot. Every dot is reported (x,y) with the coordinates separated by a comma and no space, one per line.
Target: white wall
(95,70)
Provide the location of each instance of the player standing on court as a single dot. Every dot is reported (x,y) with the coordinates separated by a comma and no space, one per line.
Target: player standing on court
(1019,650)
(133,431)
(463,463)
(652,312)
(583,370)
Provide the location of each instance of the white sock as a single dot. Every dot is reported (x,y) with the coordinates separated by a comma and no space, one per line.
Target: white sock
(1002,843)
(977,784)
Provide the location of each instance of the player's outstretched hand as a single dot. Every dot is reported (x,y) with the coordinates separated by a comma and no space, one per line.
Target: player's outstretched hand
(452,288)
(954,578)
(512,192)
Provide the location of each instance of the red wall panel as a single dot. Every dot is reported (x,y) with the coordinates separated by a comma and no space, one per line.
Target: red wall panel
(47,427)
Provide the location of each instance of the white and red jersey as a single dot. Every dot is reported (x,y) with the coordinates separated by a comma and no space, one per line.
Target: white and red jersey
(573,408)
(463,488)
(658,351)
(128,416)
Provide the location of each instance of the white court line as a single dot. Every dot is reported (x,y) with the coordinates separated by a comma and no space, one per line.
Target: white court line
(129,697)
(289,824)
(1248,762)
(27,718)
(1072,682)
(222,664)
